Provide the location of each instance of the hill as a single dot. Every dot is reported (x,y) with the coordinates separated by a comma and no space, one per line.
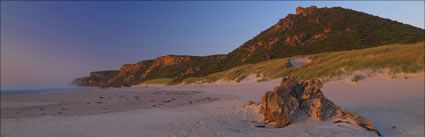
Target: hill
(311,30)
(316,30)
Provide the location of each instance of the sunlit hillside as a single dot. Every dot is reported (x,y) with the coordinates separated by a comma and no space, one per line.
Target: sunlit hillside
(407,58)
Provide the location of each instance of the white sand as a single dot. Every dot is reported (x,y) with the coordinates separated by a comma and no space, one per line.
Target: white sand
(385,102)
(299,61)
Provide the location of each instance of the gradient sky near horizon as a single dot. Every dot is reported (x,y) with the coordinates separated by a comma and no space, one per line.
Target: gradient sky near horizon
(49,43)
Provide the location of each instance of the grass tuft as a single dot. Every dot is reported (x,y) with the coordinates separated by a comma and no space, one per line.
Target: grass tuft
(158,81)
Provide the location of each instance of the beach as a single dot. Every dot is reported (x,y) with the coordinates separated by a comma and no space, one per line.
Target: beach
(395,107)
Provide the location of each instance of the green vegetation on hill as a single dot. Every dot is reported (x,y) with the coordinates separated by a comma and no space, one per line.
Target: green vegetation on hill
(158,81)
(322,30)
(407,58)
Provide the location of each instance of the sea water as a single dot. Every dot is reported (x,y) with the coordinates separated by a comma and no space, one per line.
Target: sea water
(14,91)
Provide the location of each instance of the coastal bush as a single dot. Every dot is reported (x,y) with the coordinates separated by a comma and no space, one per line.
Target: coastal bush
(356,78)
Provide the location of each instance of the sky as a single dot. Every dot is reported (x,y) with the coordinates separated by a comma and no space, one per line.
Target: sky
(50,43)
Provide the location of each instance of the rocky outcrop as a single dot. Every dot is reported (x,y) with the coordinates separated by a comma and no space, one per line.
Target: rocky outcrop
(297,39)
(171,60)
(292,95)
(305,11)
(98,78)
(131,74)
(171,66)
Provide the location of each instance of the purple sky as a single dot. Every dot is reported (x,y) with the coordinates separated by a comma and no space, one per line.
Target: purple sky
(48,44)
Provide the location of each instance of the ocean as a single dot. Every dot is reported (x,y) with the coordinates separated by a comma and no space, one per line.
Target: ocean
(14,91)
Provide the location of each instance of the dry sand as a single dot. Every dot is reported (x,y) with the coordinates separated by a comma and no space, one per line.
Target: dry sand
(216,110)
(299,61)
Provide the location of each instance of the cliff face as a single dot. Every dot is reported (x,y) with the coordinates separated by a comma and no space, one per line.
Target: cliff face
(98,78)
(305,11)
(171,66)
(132,73)
(310,30)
